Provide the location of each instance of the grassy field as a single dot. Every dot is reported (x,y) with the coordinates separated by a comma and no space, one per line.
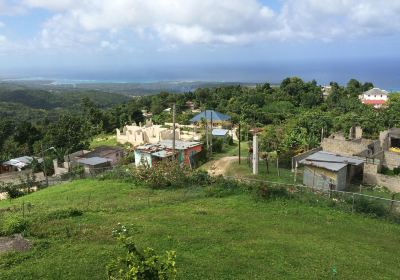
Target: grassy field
(234,237)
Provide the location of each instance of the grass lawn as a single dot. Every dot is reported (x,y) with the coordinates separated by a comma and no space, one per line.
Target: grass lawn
(104,140)
(233,237)
(243,170)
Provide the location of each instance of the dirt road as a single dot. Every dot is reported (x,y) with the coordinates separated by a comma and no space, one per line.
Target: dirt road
(220,166)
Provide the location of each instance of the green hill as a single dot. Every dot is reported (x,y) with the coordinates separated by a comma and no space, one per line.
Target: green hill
(233,237)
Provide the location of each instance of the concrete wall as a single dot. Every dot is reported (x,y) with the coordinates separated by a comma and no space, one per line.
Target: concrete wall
(391,159)
(343,147)
(372,177)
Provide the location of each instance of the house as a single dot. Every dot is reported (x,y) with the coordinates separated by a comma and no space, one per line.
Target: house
(220,133)
(94,165)
(113,154)
(145,134)
(18,164)
(107,153)
(150,154)
(329,171)
(375,97)
(326,91)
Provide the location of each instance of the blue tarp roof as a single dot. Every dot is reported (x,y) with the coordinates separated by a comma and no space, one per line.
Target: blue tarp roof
(216,116)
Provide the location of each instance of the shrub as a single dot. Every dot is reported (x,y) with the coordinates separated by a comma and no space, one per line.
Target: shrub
(396,170)
(272,192)
(372,207)
(13,191)
(222,187)
(140,264)
(200,178)
(14,224)
(168,173)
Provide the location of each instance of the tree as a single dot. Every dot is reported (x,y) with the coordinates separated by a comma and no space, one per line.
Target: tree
(70,133)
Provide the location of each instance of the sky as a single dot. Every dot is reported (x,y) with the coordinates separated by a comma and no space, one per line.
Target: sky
(200,39)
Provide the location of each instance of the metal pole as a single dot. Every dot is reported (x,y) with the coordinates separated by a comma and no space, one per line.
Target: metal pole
(206,130)
(173,130)
(44,167)
(211,139)
(239,143)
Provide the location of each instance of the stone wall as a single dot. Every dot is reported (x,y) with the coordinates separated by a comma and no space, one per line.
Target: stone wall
(372,177)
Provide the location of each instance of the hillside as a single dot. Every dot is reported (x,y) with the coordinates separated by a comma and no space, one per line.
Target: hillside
(232,237)
(52,99)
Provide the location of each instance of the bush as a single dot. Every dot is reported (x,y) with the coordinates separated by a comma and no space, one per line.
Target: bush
(140,264)
(222,187)
(371,207)
(13,191)
(14,224)
(266,192)
(217,145)
(396,170)
(200,178)
(167,173)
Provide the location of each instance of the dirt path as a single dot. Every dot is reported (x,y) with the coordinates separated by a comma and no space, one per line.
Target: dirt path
(220,166)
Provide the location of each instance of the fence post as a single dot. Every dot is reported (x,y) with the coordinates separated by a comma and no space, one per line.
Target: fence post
(392,202)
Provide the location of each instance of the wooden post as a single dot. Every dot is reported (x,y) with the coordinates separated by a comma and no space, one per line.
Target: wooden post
(277,163)
(392,202)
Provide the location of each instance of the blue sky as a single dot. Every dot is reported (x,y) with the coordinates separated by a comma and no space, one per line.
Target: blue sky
(52,36)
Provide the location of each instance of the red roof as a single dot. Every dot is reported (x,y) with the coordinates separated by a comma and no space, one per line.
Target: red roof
(374,102)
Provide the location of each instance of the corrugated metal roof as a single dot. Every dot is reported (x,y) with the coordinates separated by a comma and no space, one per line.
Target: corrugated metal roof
(331,161)
(94,160)
(179,144)
(219,132)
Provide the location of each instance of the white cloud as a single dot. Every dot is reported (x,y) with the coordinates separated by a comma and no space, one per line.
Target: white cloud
(94,22)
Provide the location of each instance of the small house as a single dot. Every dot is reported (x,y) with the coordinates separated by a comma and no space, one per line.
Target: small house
(94,165)
(151,153)
(18,164)
(329,171)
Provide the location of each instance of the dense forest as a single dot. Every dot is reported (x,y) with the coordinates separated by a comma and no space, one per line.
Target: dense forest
(292,114)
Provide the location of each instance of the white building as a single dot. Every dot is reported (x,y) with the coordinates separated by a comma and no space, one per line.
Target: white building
(145,134)
(375,97)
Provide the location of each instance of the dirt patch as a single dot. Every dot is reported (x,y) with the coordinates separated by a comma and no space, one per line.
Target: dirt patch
(16,243)
(219,167)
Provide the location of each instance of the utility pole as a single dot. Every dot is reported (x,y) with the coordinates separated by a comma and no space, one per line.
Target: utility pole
(211,140)
(206,130)
(255,154)
(44,166)
(239,144)
(173,129)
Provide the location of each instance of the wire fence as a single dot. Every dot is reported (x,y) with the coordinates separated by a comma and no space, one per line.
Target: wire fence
(352,201)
